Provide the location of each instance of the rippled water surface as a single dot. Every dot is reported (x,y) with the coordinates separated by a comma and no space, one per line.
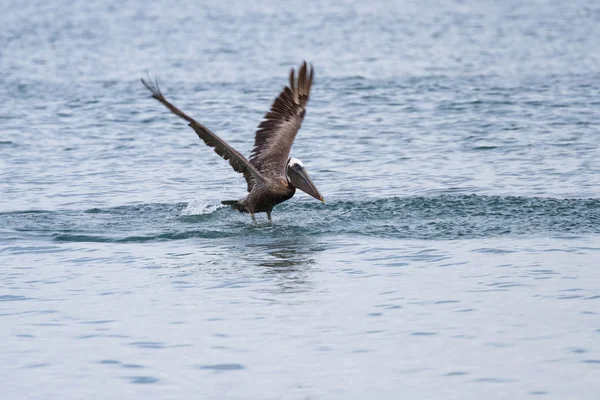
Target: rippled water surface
(455,142)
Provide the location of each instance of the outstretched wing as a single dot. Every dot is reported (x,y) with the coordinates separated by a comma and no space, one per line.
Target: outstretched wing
(277,132)
(236,160)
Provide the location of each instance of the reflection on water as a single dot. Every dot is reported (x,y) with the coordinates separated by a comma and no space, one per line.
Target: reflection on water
(280,264)
(289,260)
(287,254)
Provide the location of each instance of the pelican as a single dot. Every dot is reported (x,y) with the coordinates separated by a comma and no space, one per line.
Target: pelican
(271,174)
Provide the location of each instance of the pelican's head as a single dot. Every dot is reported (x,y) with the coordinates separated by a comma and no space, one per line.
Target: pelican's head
(298,177)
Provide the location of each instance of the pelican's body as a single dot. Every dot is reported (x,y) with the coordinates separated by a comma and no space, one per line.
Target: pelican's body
(264,197)
(271,175)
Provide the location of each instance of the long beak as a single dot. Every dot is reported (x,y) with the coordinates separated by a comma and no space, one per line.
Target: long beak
(300,179)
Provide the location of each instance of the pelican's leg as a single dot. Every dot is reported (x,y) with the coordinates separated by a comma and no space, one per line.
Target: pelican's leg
(269,216)
(253,218)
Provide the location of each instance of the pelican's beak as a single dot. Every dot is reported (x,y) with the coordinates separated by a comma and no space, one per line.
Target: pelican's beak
(300,179)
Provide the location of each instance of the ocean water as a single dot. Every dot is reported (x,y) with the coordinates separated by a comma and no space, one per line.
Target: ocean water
(457,254)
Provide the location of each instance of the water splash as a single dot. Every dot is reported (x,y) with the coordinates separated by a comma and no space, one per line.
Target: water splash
(199,207)
(443,217)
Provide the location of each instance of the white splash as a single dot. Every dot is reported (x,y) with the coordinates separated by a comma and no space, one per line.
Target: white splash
(199,207)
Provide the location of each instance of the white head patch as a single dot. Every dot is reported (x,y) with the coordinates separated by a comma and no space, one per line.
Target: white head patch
(294,161)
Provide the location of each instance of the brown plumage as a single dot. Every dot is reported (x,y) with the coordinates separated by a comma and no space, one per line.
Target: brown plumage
(277,132)
(268,173)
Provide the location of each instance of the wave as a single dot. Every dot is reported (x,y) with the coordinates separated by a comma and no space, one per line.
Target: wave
(435,218)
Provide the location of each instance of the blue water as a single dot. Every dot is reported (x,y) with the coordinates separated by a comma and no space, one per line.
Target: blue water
(456,145)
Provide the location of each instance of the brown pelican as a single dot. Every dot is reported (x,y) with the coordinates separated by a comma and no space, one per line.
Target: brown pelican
(272,175)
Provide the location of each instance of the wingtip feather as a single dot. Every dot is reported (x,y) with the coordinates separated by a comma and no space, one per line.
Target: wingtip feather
(302,80)
(152,87)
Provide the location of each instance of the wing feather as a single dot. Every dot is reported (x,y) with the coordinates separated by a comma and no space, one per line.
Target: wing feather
(276,133)
(236,160)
